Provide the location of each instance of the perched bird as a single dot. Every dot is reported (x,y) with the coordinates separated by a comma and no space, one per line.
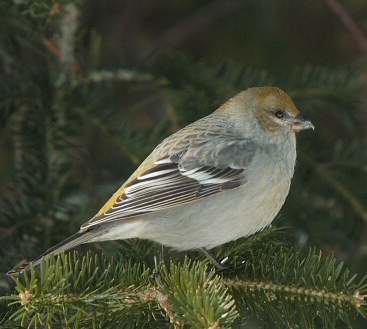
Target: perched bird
(220,178)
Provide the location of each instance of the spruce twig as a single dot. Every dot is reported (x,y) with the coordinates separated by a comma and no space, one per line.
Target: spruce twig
(272,283)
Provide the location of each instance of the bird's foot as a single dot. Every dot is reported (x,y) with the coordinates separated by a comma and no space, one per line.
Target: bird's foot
(218,264)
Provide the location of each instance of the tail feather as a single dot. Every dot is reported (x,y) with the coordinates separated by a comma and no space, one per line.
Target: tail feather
(69,243)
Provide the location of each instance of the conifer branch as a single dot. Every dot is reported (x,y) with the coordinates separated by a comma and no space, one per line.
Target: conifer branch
(125,75)
(272,283)
(305,289)
(303,295)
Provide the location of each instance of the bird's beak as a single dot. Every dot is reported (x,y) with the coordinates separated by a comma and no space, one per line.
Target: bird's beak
(301,123)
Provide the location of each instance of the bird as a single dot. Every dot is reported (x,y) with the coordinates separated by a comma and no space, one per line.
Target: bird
(220,178)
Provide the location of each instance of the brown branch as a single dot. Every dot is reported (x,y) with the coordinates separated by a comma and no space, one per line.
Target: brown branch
(350,25)
(163,301)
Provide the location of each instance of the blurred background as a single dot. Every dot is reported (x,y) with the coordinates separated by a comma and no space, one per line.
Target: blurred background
(87,89)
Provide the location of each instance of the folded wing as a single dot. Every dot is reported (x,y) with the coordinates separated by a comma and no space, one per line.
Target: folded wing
(193,173)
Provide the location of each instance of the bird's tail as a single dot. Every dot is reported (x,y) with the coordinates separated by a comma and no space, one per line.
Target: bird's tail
(71,242)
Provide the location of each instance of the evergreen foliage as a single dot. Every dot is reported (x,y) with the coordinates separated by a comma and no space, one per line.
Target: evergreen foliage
(278,284)
(63,127)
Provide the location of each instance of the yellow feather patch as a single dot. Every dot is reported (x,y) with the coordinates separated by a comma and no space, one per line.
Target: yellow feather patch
(146,165)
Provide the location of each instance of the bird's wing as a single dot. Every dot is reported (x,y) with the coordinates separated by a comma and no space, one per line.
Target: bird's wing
(191,174)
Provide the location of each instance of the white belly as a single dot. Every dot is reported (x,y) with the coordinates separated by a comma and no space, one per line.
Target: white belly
(220,218)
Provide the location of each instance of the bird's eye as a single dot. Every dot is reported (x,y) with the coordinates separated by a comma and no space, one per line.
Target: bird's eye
(279,114)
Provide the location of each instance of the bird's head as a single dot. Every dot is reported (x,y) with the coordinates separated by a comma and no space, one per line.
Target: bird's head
(271,107)
(275,110)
